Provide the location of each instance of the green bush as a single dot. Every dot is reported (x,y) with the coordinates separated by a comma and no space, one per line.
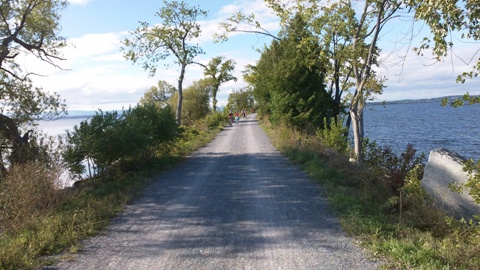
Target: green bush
(109,139)
(333,135)
(215,119)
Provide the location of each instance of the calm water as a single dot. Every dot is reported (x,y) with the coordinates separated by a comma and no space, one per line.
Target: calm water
(426,126)
(58,127)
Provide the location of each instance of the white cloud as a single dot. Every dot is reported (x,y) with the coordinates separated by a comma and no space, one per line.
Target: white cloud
(78,2)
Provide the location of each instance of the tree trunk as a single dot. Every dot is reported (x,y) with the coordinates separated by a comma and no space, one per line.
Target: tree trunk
(214,105)
(19,145)
(356,115)
(180,95)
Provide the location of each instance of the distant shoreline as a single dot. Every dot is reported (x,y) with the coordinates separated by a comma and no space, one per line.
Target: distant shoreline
(85,114)
(423,100)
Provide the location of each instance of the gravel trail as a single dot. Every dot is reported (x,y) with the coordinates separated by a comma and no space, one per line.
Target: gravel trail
(237,203)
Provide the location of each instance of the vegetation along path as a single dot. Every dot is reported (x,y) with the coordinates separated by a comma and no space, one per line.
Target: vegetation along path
(237,203)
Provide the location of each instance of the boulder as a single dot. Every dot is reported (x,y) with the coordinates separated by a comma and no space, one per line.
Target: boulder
(443,168)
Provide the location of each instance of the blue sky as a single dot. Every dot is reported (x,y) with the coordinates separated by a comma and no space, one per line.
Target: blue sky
(96,75)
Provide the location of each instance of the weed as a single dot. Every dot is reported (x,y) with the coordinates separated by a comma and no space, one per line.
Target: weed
(26,193)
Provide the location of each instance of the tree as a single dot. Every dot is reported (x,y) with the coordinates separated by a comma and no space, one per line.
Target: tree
(357,52)
(444,19)
(159,94)
(26,27)
(173,35)
(241,99)
(290,81)
(351,38)
(196,100)
(219,71)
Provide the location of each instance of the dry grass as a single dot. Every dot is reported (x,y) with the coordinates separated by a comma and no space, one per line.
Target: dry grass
(27,193)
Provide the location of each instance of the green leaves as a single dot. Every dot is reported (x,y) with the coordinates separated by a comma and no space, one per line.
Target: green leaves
(108,138)
(178,27)
(31,26)
(219,71)
(289,83)
(151,44)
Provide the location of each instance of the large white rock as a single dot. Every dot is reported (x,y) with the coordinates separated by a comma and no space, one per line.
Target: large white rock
(443,168)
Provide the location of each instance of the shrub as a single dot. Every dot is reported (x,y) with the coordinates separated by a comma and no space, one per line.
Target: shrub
(26,193)
(391,168)
(215,119)
(109,139)
(333,135)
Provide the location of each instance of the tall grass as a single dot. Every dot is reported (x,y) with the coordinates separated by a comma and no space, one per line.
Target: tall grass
(382,204)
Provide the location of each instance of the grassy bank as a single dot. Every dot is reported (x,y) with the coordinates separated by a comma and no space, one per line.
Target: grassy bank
(85,210)
(397,223)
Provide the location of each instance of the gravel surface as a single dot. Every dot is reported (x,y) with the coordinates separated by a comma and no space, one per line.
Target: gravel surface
(237,203)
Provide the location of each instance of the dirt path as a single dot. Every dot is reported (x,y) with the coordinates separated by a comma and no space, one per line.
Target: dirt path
(235,204)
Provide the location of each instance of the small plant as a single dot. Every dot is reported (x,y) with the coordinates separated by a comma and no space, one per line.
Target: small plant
(473,182)
(333,136)
(392,168)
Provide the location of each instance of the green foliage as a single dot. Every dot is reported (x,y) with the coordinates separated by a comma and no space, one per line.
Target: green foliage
(333,135)
(241,99)
(108,138)
(172,36)
(445,19)
(196,101)
(158,94)
(473,182)
(287,84)
(215,120)
(466,99)
(219,71)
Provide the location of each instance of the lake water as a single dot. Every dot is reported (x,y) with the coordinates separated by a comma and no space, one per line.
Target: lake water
(426,126)
(58,127)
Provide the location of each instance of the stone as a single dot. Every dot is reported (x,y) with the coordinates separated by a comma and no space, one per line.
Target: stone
(443,168)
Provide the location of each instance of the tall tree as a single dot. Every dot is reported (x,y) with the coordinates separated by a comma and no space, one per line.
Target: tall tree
(350,46)
(26,27)
(196,100)
(219,71)
(175,33)
(159,94)
(289,73)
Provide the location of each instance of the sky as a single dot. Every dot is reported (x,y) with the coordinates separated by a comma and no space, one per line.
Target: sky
(95,75)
